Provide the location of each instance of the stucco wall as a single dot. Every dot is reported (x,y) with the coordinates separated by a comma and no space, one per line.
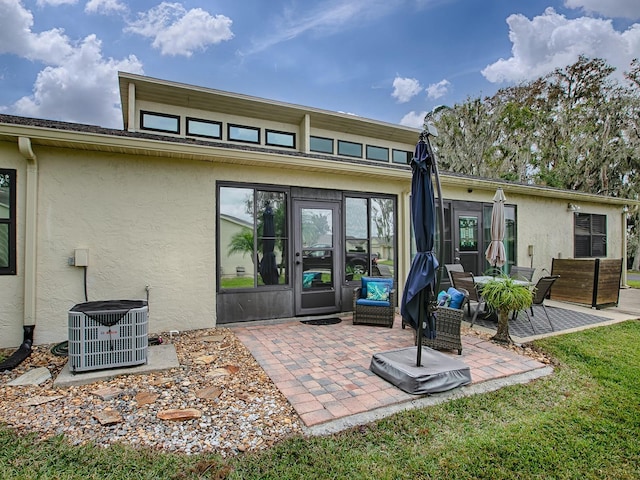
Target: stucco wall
(12,286)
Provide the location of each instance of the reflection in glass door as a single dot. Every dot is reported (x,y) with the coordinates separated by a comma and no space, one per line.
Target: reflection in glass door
(316,257)
(468,245)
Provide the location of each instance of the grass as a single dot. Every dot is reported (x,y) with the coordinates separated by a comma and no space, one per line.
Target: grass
(582,422)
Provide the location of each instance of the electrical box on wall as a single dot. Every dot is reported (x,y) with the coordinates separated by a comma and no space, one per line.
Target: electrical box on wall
(81,257)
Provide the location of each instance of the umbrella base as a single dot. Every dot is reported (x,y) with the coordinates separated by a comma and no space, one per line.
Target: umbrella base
(438,372)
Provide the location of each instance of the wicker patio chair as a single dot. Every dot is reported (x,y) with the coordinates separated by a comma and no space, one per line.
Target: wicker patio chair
(369,311)
(448,322)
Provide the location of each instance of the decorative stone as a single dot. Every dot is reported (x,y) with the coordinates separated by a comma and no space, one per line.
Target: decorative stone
(108,417)
(179,414)
(232,369)
(35,376)
(213,338)
(205,360)
(209,393)
(41,399)
(107,393)
(145,398)
(218,372)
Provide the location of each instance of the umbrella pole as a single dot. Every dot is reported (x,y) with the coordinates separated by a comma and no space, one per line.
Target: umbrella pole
(419,330)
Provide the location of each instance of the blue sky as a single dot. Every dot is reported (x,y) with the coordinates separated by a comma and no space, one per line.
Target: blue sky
(390,60)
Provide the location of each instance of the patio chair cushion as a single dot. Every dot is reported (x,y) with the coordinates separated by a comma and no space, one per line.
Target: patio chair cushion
(372,303)
(378,291)
(457,297)
(366,280)
(452,298)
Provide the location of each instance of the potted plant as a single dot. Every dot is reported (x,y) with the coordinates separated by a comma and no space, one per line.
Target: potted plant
(504,296)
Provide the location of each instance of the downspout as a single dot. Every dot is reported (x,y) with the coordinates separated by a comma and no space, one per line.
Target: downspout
(30,250)
(29,321)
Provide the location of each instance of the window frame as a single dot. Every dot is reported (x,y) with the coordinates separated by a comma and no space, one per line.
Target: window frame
(346,142)
(278,132)
(243,127)
(406,154)
(202,120)
(311,149)
(591,235)
(144,113)
(11,268)
(370,149)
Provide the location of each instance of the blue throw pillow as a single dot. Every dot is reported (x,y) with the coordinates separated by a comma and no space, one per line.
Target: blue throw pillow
(443,299)
(457,297)
(378,291)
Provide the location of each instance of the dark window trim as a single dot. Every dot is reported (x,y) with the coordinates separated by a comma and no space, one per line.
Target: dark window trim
(369,157)
(350,143)
(232,125)
(265,187)
(322,138)
(156,114)
(591,235)
(406,153)
(11,221)
(267,142)
(202,120)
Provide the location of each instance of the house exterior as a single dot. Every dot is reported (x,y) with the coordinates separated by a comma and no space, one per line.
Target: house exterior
(313,197)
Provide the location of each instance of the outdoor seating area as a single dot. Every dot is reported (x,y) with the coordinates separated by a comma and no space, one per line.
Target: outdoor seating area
(374,302)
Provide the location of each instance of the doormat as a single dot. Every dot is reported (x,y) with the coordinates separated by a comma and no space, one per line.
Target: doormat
(322,321)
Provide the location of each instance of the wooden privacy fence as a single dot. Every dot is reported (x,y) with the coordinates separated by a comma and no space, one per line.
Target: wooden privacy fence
(594,282)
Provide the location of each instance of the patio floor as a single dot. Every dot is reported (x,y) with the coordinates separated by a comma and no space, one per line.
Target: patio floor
(323,370)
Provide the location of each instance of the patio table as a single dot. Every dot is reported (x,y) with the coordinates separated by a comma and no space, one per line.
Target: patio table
(484,279)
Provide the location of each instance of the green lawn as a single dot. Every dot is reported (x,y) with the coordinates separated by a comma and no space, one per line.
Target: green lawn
(582,422)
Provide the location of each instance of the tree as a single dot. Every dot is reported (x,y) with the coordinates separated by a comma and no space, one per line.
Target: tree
(242,242)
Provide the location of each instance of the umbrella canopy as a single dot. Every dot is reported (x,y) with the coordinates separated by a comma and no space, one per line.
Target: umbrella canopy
(268,265)
(495,253)
(422,275)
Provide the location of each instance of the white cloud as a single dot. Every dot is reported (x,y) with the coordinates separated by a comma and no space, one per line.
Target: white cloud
(437,90)
(550,41)
(176,31)
(404,89)
(105,6)
(326,18)
(413,119)
(16,37)
(55,3)
(610,8)
(78,84)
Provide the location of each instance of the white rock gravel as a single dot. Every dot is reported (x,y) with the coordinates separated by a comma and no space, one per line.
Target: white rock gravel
(243,411)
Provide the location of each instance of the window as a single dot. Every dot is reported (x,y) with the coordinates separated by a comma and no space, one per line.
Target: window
(281,139)
(239,133)
(159,122)
(252,239)
(377,153)
(369,237)
(204,128)
(590,235)
(321,145)
(7,222)
(401,156)
(349,149)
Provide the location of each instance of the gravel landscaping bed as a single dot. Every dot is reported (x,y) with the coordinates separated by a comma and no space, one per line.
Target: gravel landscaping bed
(218,400)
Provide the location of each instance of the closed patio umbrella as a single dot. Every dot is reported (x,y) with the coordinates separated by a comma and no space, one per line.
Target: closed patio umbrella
(268,265)
(495,253)
(420,285)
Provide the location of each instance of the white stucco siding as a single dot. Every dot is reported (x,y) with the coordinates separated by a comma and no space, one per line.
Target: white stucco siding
(12,286)
(144,222)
